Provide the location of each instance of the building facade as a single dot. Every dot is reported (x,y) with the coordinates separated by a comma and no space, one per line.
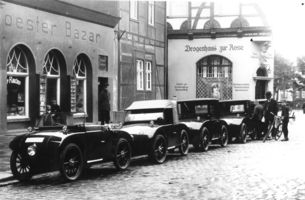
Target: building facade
(141,50)
(55,52)
(213,53)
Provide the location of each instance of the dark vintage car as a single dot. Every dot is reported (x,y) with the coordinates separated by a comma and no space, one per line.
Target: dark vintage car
(155,129)
(237,114)
(67,147)
(201,116)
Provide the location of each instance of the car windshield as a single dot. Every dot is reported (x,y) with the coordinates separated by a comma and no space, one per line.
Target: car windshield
(232,109)
(144,115)
(192,110)
(55,119)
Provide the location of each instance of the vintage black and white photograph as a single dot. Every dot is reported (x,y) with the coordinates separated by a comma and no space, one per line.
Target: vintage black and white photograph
(161,99)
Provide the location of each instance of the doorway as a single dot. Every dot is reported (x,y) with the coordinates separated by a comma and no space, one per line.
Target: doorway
(102,81)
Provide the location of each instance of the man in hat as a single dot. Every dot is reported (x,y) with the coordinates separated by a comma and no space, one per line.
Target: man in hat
(270,110)
(104,104)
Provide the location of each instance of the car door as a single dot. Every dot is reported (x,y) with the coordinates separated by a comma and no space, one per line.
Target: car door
(171,129)
(214,117)
(98,140)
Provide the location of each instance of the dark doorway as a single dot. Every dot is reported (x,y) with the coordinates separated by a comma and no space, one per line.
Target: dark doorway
(101,80)
(260,89)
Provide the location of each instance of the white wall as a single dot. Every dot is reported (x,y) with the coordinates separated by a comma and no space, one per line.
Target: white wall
(244,57)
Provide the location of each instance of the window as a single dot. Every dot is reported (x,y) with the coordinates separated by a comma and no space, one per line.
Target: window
(51,69)
(148,75)
(80,92)
(133,9)
(17,83)
(214,67)
(140,75)
(151,13)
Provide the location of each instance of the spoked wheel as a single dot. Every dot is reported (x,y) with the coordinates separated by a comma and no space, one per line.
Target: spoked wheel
(122,154)
(71,162)
(204,141)
(279,131)
(20,167)
(224,136)
(158,149)
(243,133)
(184,146)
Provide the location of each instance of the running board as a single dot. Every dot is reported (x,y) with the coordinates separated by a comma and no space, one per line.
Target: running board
(93,161)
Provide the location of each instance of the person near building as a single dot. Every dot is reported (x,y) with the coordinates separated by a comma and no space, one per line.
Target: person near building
(285,116)
(104,104)
(257,116)
(270,110)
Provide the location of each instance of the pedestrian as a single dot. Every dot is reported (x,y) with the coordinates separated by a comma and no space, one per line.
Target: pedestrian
(104,104)
(257,116)
(285,116)
(270,110)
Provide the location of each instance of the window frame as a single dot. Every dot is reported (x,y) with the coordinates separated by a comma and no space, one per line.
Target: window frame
(17,74)
(148,74)
(133,9)
(140,74)
(151,13)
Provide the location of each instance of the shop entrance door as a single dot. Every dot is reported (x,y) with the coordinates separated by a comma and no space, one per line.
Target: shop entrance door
(102,81)
(260,89)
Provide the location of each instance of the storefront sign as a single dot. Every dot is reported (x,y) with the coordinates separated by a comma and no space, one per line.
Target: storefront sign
(220,49)
(45,24)
(241,86)
(181,87)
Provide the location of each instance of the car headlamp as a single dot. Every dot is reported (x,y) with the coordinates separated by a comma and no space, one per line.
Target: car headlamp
(30,129)
(32,150)
(65,129)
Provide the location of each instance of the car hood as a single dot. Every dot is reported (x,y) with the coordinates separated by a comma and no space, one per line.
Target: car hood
(140,130)
(234,121)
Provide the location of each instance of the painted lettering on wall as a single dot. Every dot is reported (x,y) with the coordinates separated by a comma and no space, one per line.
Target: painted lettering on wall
(241,86)
(48,27)
(220,49)
(181,87)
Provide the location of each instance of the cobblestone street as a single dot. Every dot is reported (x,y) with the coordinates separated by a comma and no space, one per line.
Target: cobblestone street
(256,170)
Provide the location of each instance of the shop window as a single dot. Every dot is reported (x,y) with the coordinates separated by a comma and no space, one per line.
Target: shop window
(51,71)
(151,13)
(79,94)
(148,75)
(133,10)
(214,67)
(17,83)
(140,75)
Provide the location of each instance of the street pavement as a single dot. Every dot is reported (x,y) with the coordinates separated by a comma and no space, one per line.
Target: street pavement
(255,170)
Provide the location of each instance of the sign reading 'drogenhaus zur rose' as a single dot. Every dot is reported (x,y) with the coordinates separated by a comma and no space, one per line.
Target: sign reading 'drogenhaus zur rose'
(214,48)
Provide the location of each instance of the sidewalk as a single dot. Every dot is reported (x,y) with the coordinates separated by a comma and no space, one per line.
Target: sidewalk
(5,153)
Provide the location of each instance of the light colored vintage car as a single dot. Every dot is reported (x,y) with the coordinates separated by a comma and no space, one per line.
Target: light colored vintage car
(155,129)
(67,147)
(201,116)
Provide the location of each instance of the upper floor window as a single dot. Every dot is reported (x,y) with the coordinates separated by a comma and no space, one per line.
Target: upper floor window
(151,13)
(148,75)
(140,75)
(133,9)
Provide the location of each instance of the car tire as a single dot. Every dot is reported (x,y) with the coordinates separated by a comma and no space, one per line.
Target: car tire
(184,143)
(204,140)
(71,162)
(243,133)
(20,167)
(158,151)
(224,136)
(122,154)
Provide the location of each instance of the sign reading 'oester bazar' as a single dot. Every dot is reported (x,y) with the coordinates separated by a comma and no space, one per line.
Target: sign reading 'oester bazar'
(37,22)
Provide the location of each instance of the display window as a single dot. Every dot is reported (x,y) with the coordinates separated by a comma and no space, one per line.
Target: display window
(17,84)
(78,86)
(50,81)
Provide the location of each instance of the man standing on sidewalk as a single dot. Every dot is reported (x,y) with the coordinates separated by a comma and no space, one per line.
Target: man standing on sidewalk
(270,110)
(285,115)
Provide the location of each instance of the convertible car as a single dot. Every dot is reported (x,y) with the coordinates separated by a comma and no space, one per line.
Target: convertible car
(67,147)
(201,116)
(155,129)
(237,114)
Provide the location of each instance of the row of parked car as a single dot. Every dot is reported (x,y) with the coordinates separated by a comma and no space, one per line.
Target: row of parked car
(153,128)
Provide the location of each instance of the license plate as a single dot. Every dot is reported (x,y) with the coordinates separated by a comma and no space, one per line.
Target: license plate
(34,139)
